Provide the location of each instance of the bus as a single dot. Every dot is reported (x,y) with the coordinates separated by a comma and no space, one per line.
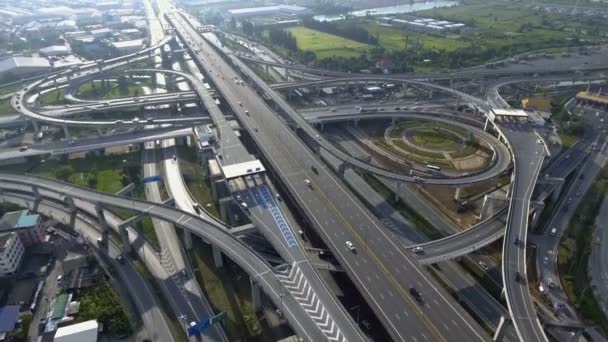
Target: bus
(433,167)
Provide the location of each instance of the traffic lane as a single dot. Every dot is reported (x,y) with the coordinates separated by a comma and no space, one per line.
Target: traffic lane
(528,155)
(233,248)
(154,321)
(179,300)
(258,211)
(297,163)
(294,170)
(297,174)
(548,247)
(300,180)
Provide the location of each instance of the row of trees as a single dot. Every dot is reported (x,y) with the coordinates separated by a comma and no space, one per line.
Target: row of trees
(350,31)
(283,38)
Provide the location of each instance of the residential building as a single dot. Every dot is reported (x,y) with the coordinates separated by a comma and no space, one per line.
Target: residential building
(28,226)
(11,253)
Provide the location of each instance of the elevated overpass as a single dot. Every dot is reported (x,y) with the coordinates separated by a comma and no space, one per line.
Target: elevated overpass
(96,143)
(262,274)
(338,220)
(469,73)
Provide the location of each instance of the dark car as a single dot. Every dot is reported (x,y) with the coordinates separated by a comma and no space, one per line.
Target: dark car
(517,277)
(417,296)
(120,259)
(314,169)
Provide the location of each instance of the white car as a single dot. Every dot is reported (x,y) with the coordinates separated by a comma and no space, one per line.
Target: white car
(350,245)
(418,250)
(308,182)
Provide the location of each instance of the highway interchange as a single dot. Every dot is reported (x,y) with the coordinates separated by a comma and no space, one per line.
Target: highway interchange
(381,268)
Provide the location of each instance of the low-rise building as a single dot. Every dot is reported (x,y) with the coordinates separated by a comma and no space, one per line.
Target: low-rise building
(11,253)
(80,332)
(102,32)
(268,10)
(127,46)
(56,50)
(23,66)
(28,226)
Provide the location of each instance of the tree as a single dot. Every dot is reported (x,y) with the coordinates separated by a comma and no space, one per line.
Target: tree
(247,27)
(64,172)
(122,84)
(92,182)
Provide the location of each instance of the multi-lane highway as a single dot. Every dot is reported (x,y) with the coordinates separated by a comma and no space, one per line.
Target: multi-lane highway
(380,268)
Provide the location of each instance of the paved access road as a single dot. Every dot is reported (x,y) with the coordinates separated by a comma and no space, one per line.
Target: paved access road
(548,243)
(139,289)
(381,269)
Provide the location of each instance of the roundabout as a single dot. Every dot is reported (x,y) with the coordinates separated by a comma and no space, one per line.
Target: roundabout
(427,145)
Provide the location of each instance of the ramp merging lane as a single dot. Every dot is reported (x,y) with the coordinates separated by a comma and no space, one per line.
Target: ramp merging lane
(528,160)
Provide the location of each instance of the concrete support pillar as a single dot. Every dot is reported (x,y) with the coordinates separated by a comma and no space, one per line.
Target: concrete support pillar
(66,132)
(451,82)
(256,295)
(99,131)
(557,192)
(187,240)
(36,193)
(217,257)
(341,170)
(124,237)
(457,193)
(214,189)
(485,126)
(36,126)
(224,210)
(356,122)
(430,94)
(500,329)
(266,68)
(102,221)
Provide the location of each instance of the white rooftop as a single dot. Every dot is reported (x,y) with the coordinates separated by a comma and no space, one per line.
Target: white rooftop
(28,62)
(510,112)
(80,332)
(253,10)
(242,169)
(128,44)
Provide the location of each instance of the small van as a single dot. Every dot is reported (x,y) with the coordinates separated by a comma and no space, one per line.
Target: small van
(553,231)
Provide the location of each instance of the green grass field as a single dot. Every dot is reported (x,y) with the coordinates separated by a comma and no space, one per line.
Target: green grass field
(107,170)
(431,138)
(394,39)
(53,97)
(6,108)
(325,45)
